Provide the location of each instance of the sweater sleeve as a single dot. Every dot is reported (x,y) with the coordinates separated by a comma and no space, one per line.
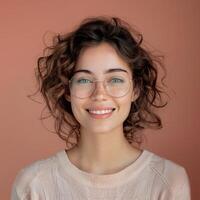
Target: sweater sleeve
(22,187)
(22,196)
(183,192)
(14,195)
(25,190)
(18,190)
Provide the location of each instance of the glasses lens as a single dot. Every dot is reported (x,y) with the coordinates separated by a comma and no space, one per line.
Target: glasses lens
(81,86)
(118,86)
(84,86)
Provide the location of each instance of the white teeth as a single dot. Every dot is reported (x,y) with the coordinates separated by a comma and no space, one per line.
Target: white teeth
(100,111)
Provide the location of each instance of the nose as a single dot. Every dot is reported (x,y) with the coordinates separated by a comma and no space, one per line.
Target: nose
(99,91)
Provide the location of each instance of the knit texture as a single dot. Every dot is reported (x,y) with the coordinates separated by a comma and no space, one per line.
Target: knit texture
(150,177)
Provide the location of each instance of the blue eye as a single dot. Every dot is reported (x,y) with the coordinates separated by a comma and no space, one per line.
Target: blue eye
(82,80)
(117,80)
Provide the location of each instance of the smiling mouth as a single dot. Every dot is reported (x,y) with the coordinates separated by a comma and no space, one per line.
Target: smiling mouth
(89,112)
(99,115)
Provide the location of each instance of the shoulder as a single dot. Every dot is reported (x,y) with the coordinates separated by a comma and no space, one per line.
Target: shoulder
(30,173)
(169,175)
(168,170)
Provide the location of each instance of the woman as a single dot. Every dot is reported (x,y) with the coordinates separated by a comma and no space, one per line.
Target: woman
(101,86)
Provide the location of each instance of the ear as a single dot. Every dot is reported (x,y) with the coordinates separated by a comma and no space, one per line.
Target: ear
(68,98)
(135,94)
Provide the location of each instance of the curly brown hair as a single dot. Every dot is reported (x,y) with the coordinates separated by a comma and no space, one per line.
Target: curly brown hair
(55,68)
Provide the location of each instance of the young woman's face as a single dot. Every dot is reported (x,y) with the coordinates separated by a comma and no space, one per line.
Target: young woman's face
(98,59)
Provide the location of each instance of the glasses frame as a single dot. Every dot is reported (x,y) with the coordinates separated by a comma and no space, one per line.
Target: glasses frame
(104,84)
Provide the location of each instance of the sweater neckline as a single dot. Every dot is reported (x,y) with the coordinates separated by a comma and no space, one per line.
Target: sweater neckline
(103,180)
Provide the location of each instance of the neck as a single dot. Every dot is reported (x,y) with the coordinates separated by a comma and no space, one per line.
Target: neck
(103,153)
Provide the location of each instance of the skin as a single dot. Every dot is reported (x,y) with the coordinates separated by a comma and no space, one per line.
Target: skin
(102,149)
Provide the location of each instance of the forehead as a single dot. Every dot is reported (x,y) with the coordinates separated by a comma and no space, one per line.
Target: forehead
(101,59)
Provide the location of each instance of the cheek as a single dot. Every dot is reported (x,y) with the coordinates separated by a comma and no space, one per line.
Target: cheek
(76,109)
(125,106)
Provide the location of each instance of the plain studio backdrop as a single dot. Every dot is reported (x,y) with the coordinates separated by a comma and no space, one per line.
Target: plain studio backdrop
(170,27)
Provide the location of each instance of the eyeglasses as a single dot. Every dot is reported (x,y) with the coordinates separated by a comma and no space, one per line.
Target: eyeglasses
(84,86)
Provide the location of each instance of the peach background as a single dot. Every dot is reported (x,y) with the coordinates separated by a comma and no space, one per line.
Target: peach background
(172,27)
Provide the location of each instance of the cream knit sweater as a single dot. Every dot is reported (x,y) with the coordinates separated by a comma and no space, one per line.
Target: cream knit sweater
(150,177)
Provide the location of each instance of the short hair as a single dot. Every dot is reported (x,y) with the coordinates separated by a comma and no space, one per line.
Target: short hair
(55,68)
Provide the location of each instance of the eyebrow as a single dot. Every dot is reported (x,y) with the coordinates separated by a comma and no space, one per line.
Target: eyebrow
(105,72)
